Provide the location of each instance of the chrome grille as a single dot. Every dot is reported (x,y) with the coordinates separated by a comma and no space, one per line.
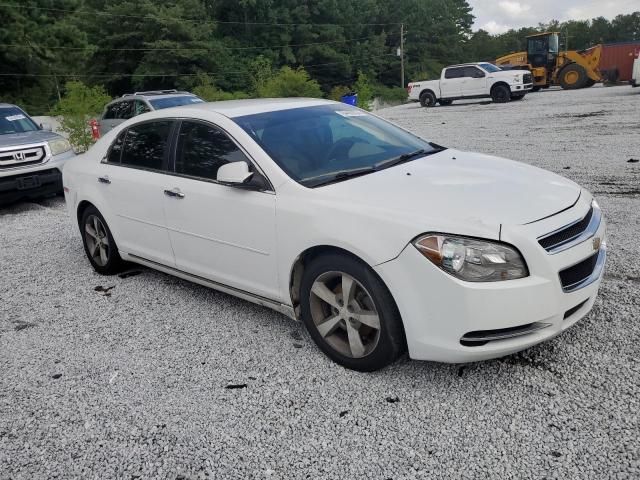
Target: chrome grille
(527,78)
(574,233)
(22,157)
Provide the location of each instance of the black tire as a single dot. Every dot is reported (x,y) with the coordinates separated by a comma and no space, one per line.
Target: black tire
(114,263)
(500,94)
(573,77)
(537,88)
(445,103)
(428,99)
(590,83)
(515,98)
(389,341)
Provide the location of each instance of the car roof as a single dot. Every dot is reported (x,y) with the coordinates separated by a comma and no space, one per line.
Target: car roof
(468,64)
(8,105)
(239,108)
(152,95)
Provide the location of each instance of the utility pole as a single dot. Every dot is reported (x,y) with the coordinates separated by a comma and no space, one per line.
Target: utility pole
(402,55)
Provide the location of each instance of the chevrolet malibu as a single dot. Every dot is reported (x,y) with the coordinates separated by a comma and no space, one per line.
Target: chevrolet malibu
(377,240)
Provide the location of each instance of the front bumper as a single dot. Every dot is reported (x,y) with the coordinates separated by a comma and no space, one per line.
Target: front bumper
(521,88)
(440,313)
(33,181)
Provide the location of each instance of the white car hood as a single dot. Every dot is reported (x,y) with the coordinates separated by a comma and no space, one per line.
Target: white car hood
(459,187)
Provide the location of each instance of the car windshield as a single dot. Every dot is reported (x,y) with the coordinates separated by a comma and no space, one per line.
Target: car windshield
(168,102)
(328,143)
(14,120)
(490,67)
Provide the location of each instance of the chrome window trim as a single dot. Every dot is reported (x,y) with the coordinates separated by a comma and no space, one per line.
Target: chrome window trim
(585,235)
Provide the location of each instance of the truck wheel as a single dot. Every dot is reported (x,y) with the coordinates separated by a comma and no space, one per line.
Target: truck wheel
(500,94)
(427,99)
(573,77)
(445,103)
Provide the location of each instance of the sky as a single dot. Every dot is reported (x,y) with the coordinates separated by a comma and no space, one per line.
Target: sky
(497,16)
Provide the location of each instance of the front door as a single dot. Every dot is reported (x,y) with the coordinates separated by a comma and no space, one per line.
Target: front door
(219,232)
(475,82)
(132,179)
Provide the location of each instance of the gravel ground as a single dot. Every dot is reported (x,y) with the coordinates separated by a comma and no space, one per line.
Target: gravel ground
(134,379)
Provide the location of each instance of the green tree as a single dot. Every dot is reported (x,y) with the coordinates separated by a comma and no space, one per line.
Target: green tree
(290,83)
(79,104)
(364,90)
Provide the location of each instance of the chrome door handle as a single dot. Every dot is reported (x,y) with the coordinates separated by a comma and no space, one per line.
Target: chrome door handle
(104,179)
(176,193)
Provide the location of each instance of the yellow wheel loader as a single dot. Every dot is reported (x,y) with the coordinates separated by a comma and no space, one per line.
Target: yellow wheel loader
(549,66)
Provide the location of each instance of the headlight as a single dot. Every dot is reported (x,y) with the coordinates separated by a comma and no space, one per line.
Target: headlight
(517,78)
(472,260)
(58,146)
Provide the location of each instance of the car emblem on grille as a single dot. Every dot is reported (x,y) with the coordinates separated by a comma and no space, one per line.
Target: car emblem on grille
(19,156)
(596,243)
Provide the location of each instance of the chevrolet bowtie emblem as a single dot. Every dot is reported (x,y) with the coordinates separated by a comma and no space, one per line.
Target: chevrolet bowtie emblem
(596,243)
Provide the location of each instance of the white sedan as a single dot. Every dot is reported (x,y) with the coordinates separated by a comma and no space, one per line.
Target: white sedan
(379,241)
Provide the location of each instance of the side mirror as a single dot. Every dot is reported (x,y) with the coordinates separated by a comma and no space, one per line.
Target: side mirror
(234,173)
(45,126)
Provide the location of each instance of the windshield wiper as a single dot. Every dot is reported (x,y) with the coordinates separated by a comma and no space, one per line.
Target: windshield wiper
(337,177)
(407,157)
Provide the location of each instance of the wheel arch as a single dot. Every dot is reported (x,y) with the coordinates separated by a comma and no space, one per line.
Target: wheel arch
(296,271)
(501,83)
(82,206)
(427,90)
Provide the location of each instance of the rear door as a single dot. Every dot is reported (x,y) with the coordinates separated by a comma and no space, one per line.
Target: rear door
(132,179)
(219,232)
(451,83)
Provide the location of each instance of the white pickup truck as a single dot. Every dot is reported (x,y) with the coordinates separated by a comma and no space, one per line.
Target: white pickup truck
(472,80)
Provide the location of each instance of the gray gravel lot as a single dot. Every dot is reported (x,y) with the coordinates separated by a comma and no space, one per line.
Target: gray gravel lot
(134,382)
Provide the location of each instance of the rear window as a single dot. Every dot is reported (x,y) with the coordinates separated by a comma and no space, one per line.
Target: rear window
(145,145)
(160,103)
(14,120)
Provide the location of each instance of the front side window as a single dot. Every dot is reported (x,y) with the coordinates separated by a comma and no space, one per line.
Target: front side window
(326,143)
(111,112)
(203,149)
(473,72)
(124,110)
(14,120)
(146,144)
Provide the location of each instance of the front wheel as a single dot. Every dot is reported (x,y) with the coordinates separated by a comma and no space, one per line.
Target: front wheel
(501,94)
(99,244)
(350,313)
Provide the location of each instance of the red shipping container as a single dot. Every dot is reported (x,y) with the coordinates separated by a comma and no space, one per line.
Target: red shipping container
(620,57)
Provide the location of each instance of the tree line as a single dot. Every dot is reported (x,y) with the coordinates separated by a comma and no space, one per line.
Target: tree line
(238,48)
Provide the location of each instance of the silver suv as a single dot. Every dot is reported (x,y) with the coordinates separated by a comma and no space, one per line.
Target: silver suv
(132,104)
(31,156)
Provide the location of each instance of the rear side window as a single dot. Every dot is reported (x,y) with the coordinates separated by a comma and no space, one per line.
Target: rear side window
(111,112)
(141,107)
(145,145)
(454,73)
(116,149)
(203,149)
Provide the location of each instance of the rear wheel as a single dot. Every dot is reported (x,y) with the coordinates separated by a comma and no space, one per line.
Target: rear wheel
(501,94)
(445,103)
(350,313)
(573,77)
(427,99)
(99,244)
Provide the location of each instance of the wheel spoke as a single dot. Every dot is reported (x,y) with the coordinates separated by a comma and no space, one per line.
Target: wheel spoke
(94,249)
(348,289)
(92,233)
(367,318)
(329,326)
(321,291)
(103,254)
(355,342)
(95,225)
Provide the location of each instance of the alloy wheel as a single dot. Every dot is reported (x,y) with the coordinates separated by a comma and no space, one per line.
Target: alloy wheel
(97,239)
(344,314)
